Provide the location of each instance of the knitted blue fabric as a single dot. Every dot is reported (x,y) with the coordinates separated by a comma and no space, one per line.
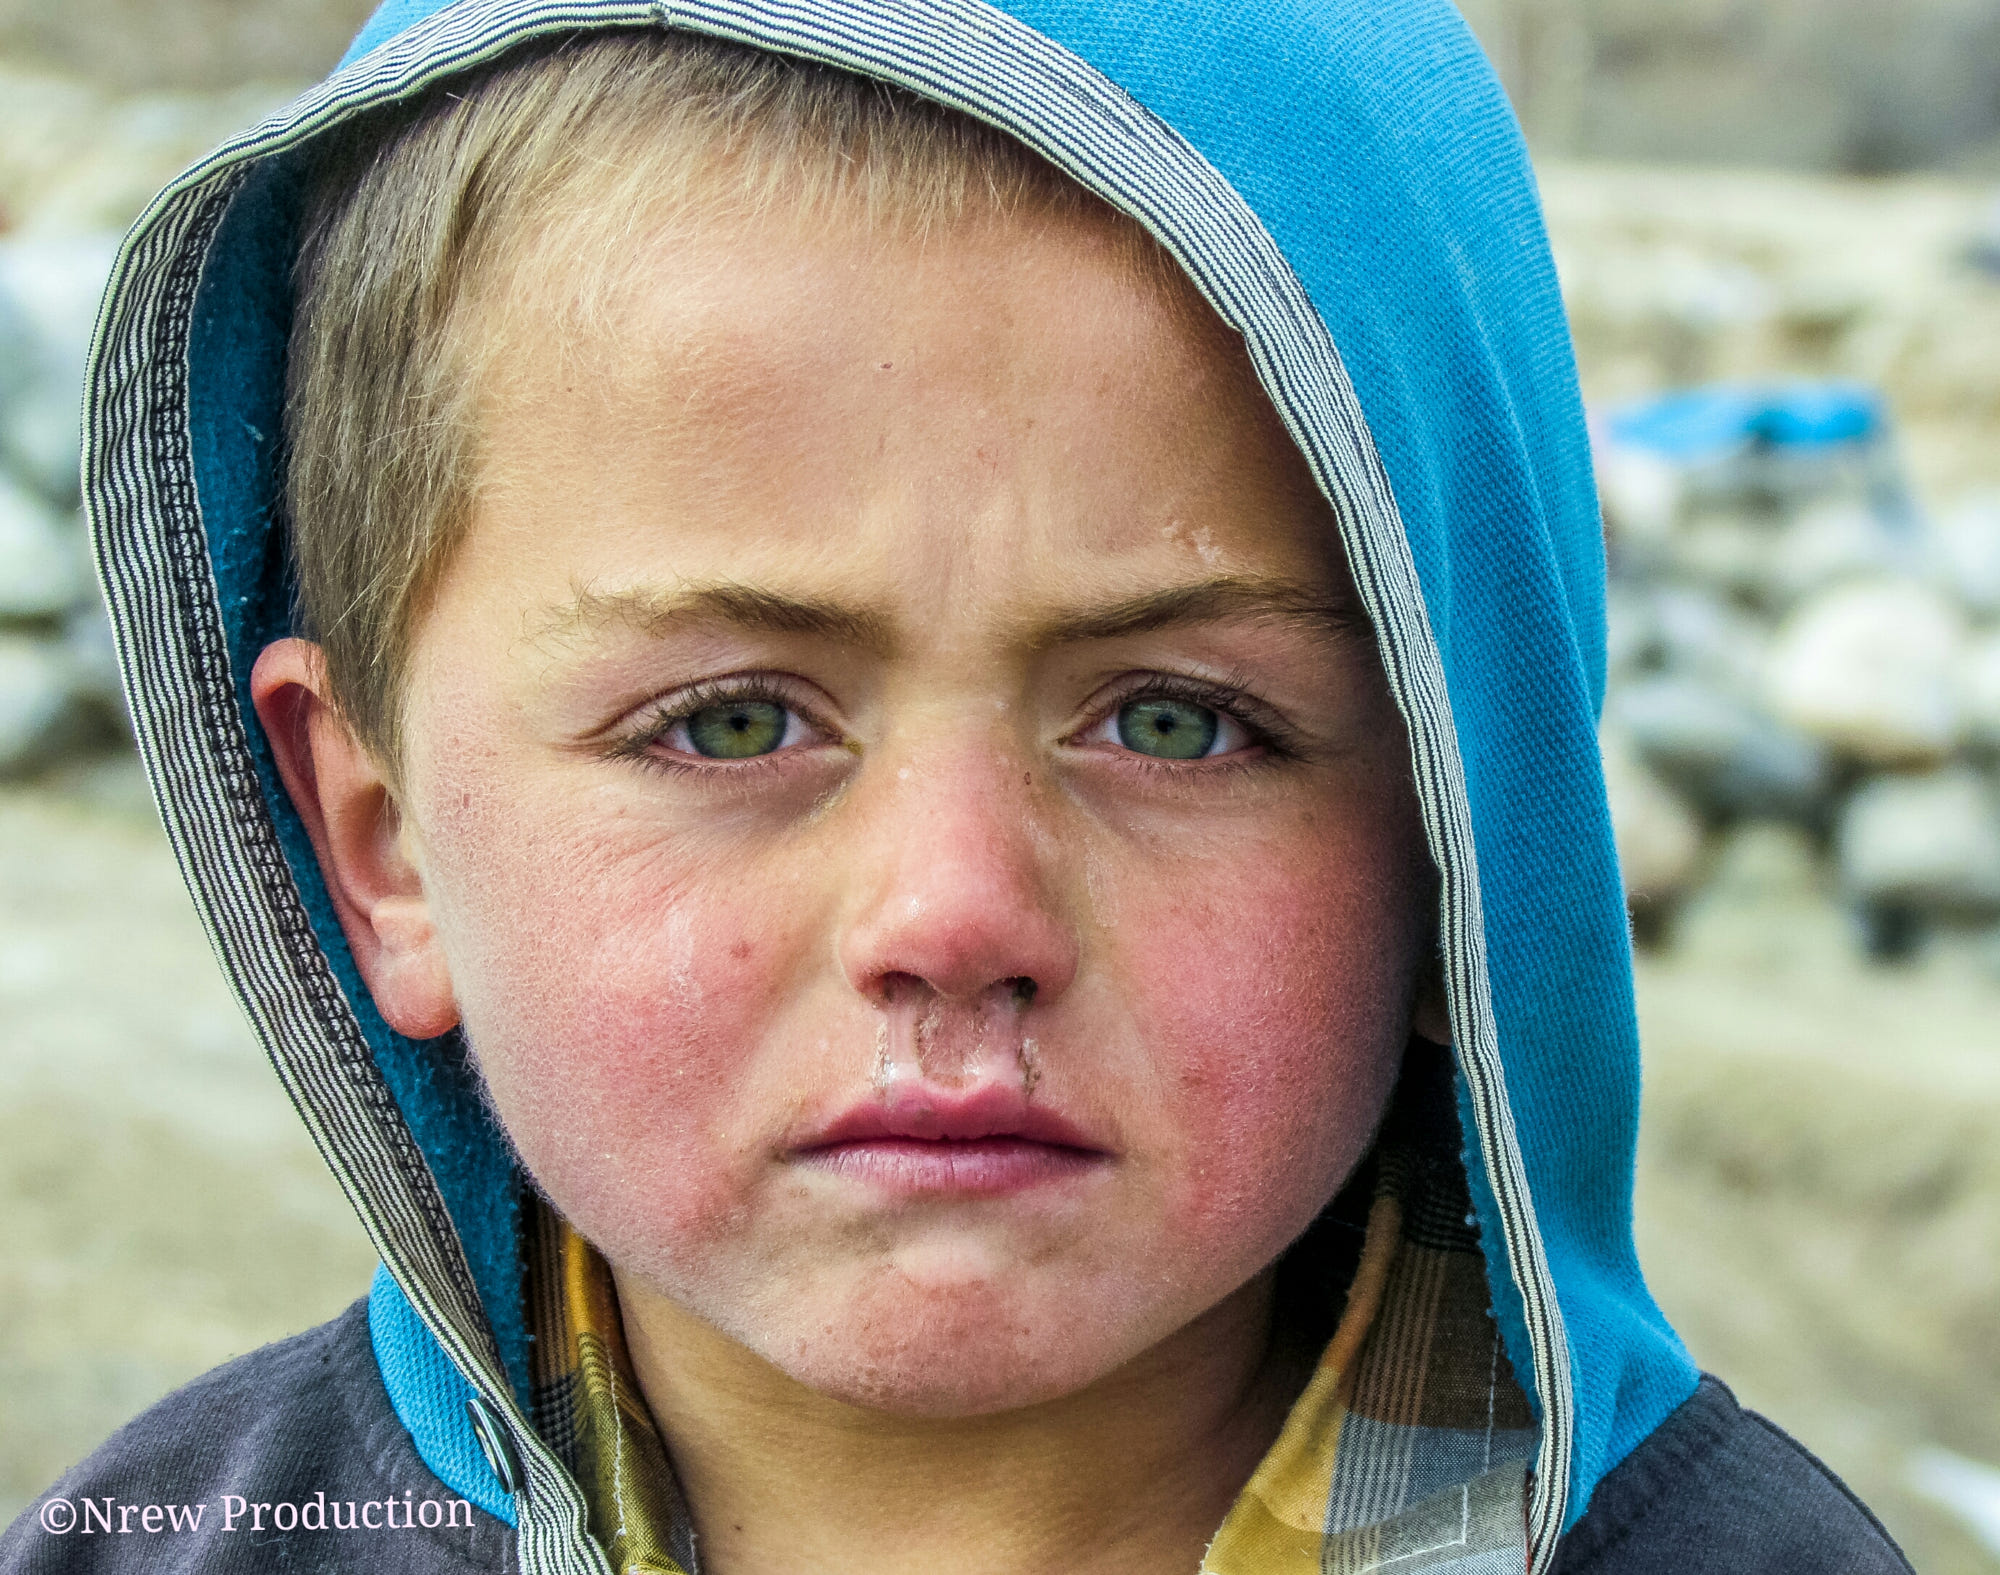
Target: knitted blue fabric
(1373,143)
(429,1394)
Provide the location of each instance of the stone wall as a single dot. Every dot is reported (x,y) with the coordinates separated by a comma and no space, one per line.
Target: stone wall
(1858,85)
(170,44)
(1864,86)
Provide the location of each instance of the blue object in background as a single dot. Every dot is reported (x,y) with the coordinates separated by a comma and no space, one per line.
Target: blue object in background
(1719,422)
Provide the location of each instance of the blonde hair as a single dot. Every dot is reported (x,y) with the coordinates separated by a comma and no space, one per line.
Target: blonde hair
(418,215)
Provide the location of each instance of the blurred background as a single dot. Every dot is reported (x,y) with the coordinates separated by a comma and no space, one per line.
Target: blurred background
(1778,228)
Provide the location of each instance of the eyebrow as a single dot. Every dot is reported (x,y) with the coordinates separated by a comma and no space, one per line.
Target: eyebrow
(1208,601)
(750,607)
(745,606)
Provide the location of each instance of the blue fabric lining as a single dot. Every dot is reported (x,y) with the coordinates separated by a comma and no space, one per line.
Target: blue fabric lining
(429,1395)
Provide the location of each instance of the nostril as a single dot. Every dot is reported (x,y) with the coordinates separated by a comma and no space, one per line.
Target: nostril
(896,988)
(893,988)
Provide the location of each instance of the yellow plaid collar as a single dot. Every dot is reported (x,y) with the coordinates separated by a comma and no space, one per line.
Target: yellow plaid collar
(588,1406)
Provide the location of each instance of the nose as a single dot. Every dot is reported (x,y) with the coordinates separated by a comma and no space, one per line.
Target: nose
(957,888)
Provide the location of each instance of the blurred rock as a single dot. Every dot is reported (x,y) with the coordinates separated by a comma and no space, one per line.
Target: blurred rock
(1867,282)
(53,285)
(1979,690)
(1659,837)
(1727,550)
(1768,861)
(1928,845)
(1970,1489)
(1870,667)
(17,347)
(1965,551)
(1728,756)
(76,159)
(1839,539)
(1689,699)
(1642,494)
(35,701)
(1698,633)
(1767,903)
(1983,250)
(39,441)
(191,43)
(42,569)
(1631,637)
(92,658)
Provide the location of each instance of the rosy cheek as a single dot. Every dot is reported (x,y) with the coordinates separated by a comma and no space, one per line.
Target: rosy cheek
(613,1011)
(1275,1012)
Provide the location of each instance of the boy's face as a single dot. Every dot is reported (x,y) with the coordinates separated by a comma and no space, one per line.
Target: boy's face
(914,824)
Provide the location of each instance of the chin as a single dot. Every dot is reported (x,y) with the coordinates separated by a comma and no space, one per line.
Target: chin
(970,1352)
(943,1380)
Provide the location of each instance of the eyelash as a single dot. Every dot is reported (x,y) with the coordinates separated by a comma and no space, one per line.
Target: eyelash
(1268,733)
(661,718)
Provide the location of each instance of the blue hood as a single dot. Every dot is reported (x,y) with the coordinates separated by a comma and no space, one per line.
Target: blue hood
(1345,183)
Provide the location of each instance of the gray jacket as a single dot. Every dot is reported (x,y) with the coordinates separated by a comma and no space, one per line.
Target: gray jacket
(307,1422)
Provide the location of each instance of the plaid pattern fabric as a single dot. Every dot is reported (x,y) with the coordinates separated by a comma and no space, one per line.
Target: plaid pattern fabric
(1407,1451)
(588,1407)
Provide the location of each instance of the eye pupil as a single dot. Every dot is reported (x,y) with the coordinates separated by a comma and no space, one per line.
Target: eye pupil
(1168,729)
(737,730)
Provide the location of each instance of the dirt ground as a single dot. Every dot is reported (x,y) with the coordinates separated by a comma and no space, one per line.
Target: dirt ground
(1819,1198)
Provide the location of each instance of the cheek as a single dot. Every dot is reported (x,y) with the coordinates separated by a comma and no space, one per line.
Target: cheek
(613,1003)
(1273,991)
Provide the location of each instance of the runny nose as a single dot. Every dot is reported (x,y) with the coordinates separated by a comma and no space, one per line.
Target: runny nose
(927,1038)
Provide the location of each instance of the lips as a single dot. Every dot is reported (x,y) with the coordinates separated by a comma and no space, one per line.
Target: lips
(986,1142)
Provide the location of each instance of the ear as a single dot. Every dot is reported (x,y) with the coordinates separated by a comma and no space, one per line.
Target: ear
(366,850)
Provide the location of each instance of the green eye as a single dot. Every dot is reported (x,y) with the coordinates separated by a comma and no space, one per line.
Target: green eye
(1168,729)
(736,730)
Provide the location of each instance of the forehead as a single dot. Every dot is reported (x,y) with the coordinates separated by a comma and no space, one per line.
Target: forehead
(1001,408)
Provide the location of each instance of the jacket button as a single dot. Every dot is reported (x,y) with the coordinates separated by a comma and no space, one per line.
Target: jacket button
(494,1444)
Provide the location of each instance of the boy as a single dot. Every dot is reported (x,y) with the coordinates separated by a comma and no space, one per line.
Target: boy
(848,800)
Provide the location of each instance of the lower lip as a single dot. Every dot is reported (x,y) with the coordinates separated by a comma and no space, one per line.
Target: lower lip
(974,1167)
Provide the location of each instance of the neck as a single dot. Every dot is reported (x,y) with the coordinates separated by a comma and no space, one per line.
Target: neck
(1130,1476)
